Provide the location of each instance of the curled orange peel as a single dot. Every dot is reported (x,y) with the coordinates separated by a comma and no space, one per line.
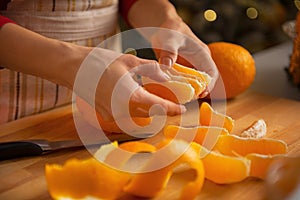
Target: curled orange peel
(204,135)
(91,178)
(78,179)
(152,183)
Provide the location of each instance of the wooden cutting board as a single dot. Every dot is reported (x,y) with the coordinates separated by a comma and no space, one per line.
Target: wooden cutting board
(24,178)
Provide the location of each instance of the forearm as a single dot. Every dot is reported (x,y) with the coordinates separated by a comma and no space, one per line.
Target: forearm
(25,51)
(152,13)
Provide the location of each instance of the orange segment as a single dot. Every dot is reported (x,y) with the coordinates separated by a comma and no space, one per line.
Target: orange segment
(82,178)
(210,117)
(199,134)
(161,91)
(234,145)
(201,76)
(260,164)
(222,169)
(186,84)
(198,86)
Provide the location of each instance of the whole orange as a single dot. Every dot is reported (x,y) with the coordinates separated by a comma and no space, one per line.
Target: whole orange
(236,67)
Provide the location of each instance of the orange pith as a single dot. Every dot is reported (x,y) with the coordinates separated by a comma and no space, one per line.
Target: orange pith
(191,71)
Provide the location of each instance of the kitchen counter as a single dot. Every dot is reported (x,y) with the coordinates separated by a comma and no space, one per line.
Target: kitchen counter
(24,178)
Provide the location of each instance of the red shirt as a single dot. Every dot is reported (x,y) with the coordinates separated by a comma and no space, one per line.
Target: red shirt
(4,20)
(124,7)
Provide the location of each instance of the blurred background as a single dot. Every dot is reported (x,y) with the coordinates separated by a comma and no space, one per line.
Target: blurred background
(254,24)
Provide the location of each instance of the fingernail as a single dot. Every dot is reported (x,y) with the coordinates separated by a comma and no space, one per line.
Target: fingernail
(166,62)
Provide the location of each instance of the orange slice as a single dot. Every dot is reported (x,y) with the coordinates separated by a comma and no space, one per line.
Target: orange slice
(222,169)
(190,72)
(174,91)
(211,117)
(186,84)
(234,145)
(260,163)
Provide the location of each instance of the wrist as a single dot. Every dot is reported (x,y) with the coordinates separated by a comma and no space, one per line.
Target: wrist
(70,58)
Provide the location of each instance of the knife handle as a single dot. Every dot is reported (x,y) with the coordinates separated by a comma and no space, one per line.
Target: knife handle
(10,150)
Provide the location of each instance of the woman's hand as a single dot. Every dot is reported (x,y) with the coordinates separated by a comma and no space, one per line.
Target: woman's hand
(174,41)
(81,68)
(106,80)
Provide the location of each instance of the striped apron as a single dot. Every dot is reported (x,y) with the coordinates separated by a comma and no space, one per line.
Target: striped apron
(82,22)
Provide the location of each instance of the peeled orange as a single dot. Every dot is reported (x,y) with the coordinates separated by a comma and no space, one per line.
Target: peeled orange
(236,67)
(186,84)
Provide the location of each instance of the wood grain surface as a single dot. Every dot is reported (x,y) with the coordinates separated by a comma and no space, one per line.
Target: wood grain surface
(24,178)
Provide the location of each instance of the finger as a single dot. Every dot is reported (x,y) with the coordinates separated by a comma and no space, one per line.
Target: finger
(201,59)
(167,59)
(166,45)
(151,70)
(146,99)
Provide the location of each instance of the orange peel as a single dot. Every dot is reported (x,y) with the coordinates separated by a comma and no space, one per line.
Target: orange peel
(152,183)
(204,135)
(84,178)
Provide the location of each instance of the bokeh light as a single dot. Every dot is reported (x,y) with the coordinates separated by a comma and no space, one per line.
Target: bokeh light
(252,13)
(210,15)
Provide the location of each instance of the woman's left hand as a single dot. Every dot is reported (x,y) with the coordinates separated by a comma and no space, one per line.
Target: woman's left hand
(175,42)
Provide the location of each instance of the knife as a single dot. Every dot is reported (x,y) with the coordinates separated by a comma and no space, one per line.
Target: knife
(23,148)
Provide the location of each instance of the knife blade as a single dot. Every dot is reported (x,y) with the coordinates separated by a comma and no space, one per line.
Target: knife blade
(24,148)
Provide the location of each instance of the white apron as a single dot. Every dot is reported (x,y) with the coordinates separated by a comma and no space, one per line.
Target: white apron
(83,22)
